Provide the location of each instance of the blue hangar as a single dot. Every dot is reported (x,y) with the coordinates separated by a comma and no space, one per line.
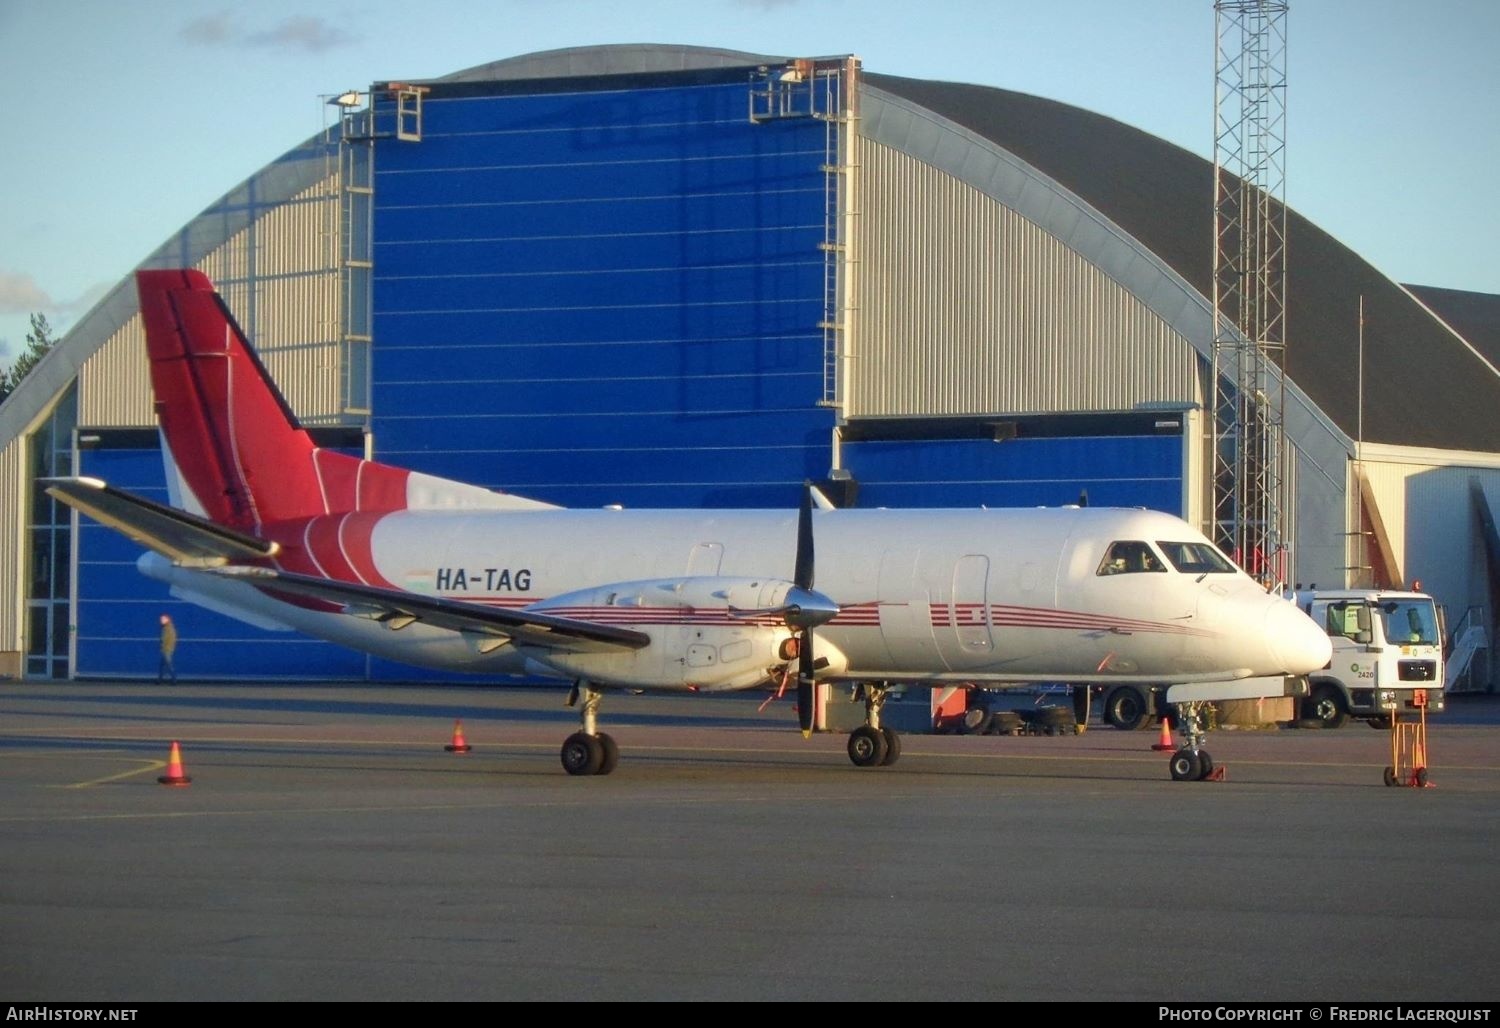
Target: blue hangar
(677,276)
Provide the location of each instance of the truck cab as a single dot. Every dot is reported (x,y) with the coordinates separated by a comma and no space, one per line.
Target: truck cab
(1387,647)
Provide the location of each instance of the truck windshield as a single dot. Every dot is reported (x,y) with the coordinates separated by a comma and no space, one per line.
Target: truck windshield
(1410,622)
(1196,558)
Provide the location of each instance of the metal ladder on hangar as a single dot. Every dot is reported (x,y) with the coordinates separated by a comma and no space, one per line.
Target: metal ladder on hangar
(824,89)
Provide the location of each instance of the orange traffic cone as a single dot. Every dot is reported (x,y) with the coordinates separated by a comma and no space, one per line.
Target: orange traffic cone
(1164,744)
(174,775)
(458,745)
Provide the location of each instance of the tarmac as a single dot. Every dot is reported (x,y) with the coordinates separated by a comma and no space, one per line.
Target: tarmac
(330,848)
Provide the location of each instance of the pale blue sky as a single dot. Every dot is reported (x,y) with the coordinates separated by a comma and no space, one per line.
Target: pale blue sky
(125,118)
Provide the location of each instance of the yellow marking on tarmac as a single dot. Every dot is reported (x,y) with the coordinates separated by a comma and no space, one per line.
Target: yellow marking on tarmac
(150,765)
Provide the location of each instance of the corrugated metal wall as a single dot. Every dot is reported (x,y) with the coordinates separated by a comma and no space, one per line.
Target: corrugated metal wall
(280,278)
(289,258)
(114,387)
(967,308)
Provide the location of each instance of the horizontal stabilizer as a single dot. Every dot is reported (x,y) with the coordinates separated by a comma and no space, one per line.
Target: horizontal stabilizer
(399,609)
(182,537)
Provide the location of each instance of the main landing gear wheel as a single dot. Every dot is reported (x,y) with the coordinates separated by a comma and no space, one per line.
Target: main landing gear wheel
(892,747)
(1186,766)
(584,754)
(611,753)
(868,747)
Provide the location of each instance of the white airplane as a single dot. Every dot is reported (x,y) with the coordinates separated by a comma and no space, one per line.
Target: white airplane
(269,528)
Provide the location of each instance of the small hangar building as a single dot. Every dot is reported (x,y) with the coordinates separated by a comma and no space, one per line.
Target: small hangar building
(676,276)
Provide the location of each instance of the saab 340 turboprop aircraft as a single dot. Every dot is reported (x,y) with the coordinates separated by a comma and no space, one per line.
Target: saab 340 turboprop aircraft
(269,527)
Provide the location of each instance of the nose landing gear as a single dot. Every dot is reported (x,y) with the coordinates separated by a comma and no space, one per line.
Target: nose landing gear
(1192,763)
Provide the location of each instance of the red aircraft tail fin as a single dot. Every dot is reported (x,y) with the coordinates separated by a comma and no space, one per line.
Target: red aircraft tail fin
(234,447)
(235,452)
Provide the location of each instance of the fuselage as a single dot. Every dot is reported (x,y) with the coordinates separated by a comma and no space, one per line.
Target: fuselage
(960,595)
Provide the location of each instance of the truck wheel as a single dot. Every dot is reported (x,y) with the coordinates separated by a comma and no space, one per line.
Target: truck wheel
(975,720)
(1326,707)
(1127,709)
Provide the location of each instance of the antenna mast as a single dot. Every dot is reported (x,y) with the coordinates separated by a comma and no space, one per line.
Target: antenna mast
(1249,288)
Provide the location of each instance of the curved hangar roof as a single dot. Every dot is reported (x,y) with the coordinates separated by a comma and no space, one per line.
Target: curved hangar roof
(1423,381)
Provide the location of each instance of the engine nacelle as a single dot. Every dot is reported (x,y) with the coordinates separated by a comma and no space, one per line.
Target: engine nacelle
(707,633)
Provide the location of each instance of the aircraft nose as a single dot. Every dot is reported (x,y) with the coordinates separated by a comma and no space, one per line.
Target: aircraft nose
(1300,646)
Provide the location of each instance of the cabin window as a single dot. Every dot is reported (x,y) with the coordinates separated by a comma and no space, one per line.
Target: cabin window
(1197,558)
(1126,558)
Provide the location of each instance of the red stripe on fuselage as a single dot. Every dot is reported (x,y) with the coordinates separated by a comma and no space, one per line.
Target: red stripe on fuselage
(325,547)
(355,536)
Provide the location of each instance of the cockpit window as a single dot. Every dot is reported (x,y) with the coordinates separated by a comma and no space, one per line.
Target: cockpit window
(1197,558)
(1124,558)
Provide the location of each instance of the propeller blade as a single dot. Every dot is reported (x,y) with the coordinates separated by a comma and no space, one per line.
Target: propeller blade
(802,576)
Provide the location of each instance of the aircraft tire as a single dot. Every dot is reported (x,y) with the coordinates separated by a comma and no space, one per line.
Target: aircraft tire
(1205,765)
(1185,766)
(610,754)
(867,747)
(892,746)
(1127,709)
(582,754)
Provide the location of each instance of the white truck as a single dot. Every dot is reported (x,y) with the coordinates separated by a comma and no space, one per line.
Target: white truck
(1386,645)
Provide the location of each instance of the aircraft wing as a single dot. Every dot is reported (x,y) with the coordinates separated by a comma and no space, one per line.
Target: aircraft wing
(399,609)
(182,537)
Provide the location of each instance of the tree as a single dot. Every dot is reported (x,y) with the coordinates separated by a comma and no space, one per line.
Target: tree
(38,341)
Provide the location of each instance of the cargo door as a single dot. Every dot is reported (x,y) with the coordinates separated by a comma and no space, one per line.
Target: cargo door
(907,613)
